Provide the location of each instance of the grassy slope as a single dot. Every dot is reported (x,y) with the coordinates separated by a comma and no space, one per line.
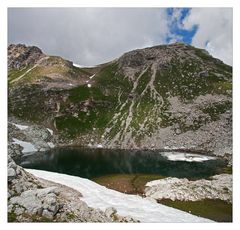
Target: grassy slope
(111,89)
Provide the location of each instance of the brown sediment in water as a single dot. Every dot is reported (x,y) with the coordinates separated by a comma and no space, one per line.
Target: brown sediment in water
(127,183)
(216,210)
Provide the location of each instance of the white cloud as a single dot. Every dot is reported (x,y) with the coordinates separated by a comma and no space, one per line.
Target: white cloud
(88,36)
(214,31)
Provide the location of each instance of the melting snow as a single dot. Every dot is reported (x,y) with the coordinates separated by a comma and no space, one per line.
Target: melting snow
(21,127)
(176,156)
(82,66)
(27,146)
(51,145)
(77,65)
(50,131)
(92,76)
(98,196)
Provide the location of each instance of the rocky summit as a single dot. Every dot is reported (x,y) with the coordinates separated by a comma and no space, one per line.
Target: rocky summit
(169,96)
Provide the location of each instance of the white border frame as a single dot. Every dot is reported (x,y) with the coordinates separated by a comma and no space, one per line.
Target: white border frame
(4,4)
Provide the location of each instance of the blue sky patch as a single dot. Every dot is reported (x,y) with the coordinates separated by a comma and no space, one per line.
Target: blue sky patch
(177,32)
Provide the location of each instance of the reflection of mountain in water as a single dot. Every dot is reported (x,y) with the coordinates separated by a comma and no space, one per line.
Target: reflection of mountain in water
(91,163)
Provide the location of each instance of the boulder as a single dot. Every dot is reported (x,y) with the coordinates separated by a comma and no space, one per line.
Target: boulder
(11,174)
(110,212)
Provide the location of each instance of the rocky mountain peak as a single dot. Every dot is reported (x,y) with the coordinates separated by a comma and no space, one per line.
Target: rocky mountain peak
(21,55)
(164,57)
(140,57)
(161,54)
(164,96)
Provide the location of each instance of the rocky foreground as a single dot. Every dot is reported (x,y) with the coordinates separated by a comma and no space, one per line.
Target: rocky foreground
(31,199)
(34,200)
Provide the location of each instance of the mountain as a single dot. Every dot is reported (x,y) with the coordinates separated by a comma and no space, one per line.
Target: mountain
(168,96)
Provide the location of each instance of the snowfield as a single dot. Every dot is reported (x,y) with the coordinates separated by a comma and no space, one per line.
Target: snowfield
(98,196)
(83,66)
(21,127)
(27,146)
(177,156)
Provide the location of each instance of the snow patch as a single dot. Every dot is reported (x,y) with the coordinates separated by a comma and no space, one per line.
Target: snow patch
(27,146)
(50,131)
(162,182)
(21,127)
(99,146)
(82,66)
(50,144)
(77,65)
(92,76)
(89,85)
(98,196)
(189,157)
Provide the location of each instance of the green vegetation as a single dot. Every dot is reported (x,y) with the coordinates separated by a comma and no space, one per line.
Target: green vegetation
(75,70)
(222,87)
(40,219)
(203,54)
(216,210)
(217,108)
(84,109)
(84,122)
(183,79)
(227,170)
(71,215)
(12,217)
(30,101)
(15,73)
(110,82)
(143,81)
(79,93)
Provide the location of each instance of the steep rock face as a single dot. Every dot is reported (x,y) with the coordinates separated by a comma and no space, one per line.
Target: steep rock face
(20,55)
(169,96)
(28,65)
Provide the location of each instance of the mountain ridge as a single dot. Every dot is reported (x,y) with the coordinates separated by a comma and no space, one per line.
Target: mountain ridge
(167,96)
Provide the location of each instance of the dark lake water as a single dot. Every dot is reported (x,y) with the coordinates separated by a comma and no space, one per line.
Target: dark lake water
(91,163)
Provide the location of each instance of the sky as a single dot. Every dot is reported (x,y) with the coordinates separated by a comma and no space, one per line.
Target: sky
(90,36)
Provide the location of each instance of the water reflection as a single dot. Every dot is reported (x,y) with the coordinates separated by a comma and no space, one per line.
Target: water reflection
(90,163)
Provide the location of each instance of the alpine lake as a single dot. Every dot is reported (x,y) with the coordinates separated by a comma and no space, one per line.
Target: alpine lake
(128,171)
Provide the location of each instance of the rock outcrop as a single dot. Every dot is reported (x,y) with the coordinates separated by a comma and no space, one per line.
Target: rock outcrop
(216,187)
(29,138)
(21,55)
